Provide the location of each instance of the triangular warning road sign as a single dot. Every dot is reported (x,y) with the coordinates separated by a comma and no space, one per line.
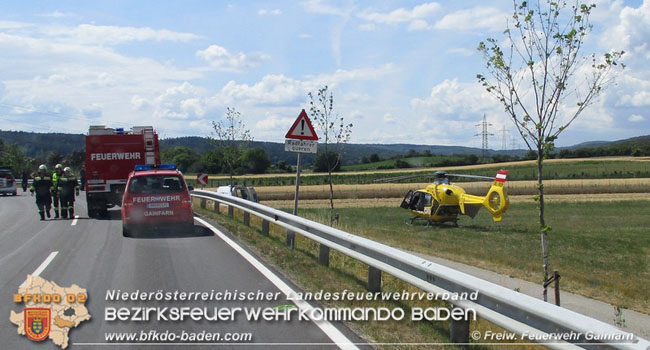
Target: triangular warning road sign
(302,129)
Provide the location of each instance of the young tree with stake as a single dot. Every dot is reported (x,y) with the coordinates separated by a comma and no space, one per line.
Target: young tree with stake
(231,138)
(334,134)
(544,82)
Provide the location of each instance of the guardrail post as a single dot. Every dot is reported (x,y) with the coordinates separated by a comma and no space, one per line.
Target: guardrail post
(216,207)
(291,239)
(247,218)
(203,201)
(231,211)
(459,331)
(265,227)
(374,279)
(324,255)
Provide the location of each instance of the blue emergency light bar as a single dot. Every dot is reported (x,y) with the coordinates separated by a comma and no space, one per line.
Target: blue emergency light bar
(142,167)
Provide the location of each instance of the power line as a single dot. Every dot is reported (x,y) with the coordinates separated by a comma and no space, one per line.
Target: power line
(504,140)
(484,136)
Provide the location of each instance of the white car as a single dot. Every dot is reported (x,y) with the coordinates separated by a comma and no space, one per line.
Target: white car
(7,182)
(239,191)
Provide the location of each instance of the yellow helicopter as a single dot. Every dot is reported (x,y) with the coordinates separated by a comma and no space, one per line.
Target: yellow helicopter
(443,201)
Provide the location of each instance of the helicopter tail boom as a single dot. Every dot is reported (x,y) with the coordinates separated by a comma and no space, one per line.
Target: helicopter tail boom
(496,201)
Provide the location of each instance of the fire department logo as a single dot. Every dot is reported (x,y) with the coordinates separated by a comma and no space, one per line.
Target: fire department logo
(37,323)
(50,311)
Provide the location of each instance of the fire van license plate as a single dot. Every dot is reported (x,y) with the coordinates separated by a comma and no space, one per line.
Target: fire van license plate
(157,205)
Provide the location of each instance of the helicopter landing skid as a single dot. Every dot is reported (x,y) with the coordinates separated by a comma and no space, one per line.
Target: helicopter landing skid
(429,222)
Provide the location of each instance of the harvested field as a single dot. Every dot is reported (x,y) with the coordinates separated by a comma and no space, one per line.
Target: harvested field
(588,186)
(394,202)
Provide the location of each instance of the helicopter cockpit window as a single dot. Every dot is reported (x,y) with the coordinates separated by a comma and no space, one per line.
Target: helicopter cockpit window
(419,200)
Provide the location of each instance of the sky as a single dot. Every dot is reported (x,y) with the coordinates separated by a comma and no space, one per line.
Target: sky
(399,71)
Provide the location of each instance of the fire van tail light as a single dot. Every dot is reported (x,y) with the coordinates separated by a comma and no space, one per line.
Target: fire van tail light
(127,201)
(186,203)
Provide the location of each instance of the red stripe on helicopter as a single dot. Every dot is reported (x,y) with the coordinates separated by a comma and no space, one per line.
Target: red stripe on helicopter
(501,176)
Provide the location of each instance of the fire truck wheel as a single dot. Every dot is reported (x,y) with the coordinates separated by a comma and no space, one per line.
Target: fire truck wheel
(125,231)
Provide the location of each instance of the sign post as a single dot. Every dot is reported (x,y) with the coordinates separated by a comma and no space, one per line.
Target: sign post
(301,138)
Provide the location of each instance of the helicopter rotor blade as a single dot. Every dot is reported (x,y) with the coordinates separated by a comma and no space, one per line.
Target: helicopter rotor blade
(477,177)
(403,177)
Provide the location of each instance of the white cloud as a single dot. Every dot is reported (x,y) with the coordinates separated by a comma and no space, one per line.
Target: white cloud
(179,102)
(401,15)
(415,16)
(264,12)
(636,118)
(475,18)
(304,36)
(389,118)
(325,8)
(367,27)
(463,51)
(57,14)
(223,60)
(632,32)
(457,100)
(93,111)
(274,122)
(272,89)
(112,35)
(277,89)
(14,25)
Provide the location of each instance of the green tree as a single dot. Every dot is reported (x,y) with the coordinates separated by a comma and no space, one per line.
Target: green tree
(374,158)
(13,157)
(183,157)
(334,133)
(76,159)
(231,138)
(543,80)
(211,161)
(327,161)
(54,158)
(256,160)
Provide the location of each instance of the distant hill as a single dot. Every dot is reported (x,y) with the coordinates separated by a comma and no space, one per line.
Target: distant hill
(353,153)
(39,145)
(635,146)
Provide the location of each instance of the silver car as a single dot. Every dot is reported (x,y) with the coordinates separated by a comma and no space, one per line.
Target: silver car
(7,182)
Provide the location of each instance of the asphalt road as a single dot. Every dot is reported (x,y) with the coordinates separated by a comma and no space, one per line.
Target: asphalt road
(93,254)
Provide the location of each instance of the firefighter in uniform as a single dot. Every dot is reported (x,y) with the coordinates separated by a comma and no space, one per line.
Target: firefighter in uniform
(68,188)
(58,172)
(42,186)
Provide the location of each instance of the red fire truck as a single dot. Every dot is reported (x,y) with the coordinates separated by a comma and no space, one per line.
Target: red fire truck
(111,154)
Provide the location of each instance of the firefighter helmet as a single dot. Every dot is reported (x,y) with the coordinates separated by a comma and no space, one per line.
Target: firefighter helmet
(58,166)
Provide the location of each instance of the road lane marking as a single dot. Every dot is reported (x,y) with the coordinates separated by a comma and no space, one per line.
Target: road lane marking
(74,222)
(332,332)
(43,265)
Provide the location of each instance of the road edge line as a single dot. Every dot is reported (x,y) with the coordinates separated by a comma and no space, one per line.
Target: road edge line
(332,332)
(42,266)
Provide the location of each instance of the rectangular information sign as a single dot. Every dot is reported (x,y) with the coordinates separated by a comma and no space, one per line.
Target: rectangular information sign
(300,146)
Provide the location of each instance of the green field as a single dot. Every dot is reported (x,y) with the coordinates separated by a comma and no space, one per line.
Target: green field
(414,162)
(578,169)
(602,249)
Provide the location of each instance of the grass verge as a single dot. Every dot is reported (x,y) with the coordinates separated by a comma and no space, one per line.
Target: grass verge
(602,249)
(301,266)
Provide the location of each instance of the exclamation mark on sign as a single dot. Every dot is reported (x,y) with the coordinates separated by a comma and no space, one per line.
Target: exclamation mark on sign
(302,127)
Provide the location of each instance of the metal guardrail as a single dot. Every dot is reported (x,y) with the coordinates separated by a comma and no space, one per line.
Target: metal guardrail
(506,308)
